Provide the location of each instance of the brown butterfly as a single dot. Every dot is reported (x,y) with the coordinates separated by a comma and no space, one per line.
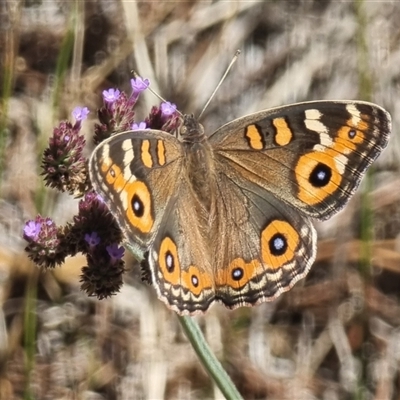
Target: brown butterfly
(226,217)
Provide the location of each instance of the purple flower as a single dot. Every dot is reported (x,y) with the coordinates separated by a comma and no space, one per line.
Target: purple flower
(40,229)
(32,230)
(99,198)
(44,239)
(115,252)
(167,109)
(111,95)
(139,84)
(80,113)
(92,239)
(142,125)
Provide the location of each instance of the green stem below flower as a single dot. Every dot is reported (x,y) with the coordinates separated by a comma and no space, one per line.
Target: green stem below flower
(208,359)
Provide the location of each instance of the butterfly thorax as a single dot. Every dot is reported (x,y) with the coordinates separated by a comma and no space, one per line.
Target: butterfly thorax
(199,161)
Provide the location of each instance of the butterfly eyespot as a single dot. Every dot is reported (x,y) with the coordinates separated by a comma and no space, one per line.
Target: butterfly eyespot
(279,241)
(278,244)
(138,202)
(352,133)
(137,206)
(237,274)
(169,261)
(195,280)
(320,176)
(111,171)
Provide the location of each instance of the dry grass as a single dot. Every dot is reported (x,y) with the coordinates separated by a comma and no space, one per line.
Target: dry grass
(334,336)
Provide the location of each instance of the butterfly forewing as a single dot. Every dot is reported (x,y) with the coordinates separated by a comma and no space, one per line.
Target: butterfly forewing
(311,156)
(136,174)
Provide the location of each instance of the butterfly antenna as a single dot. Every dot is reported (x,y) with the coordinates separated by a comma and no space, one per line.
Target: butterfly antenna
(235,57)
(136,75)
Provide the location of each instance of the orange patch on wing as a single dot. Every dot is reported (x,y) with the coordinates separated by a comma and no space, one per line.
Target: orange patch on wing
(196,281)
(308,193)
(291,237)
(283,134)
(344,143)
(143,220)
(255,137)
(168,249)
(145,154)
(250,270)
(113,175)
(160,152)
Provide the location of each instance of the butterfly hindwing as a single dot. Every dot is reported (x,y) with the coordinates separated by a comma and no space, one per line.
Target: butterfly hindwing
(267,246)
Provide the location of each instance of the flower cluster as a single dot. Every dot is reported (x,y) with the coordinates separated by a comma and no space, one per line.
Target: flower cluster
(64,167)
(93,231)
(117,114)
(44,242)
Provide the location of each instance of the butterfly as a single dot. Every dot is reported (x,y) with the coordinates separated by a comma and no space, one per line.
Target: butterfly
(227,217)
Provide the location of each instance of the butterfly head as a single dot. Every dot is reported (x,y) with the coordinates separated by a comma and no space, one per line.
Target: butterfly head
(191,129)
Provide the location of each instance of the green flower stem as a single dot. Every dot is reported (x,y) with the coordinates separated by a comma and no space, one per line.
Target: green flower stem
(30,325)
(208,359)
(203,351)
(365,92)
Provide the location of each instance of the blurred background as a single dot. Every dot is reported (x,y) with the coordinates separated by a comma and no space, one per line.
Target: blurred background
(336,335)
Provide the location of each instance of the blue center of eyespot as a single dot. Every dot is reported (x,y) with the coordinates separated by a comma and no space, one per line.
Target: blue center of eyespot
(237,274)
(352,133)
(278,244)
(320,175)
(195,280)
(137,206)
(169,261)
